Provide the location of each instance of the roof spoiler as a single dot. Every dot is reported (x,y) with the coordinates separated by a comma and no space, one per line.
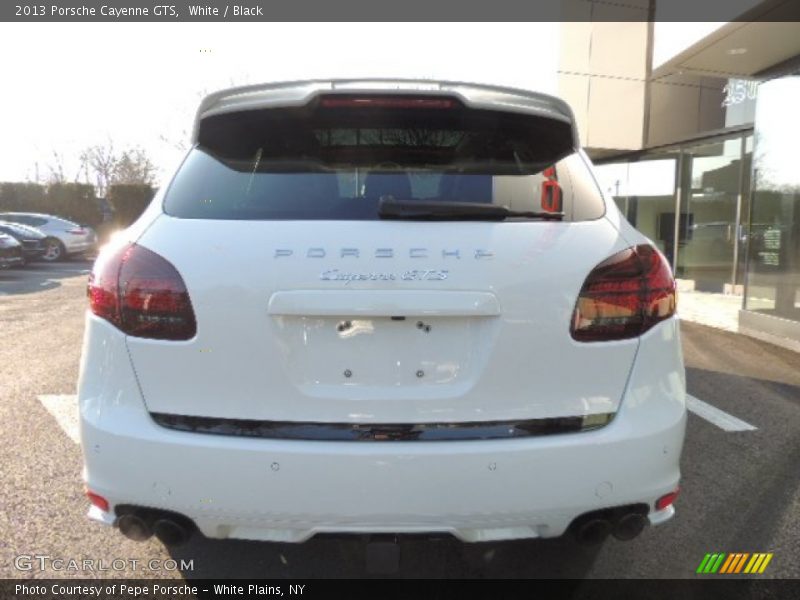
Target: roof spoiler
(300,93)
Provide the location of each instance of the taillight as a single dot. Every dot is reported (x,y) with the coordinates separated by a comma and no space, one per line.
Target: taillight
(142,294)
(551,191)
(77,231)
(97,500)
(667,499)
(624,296)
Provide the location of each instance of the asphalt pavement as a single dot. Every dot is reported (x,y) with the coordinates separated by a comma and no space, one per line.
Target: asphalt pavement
(740,488)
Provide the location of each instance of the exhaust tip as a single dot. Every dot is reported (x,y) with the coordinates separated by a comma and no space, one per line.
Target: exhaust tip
(629,526)
(135,528)
(593,531)
(172,532)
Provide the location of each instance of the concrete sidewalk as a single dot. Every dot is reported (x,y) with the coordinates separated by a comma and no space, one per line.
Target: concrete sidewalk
(721,311)
(715,310)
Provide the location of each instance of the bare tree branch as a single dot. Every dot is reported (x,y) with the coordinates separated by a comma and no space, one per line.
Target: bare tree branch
(107,166)
(56,169)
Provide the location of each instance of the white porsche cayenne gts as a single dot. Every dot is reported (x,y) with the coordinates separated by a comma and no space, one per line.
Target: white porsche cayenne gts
(374,306)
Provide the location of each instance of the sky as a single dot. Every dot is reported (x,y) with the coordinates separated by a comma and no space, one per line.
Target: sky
(70,86)
(670,38)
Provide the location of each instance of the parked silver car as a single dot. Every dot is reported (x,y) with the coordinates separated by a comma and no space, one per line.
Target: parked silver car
(64,238)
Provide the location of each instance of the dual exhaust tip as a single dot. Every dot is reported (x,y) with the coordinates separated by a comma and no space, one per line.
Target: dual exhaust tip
(172,529)
(624,523)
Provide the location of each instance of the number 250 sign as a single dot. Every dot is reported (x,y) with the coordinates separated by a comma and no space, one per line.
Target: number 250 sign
(739,90)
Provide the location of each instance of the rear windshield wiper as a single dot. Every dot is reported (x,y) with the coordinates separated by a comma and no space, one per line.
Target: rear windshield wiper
(427,210)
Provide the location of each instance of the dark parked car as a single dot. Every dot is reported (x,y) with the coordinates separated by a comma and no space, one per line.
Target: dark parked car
(31,239)
(10,252)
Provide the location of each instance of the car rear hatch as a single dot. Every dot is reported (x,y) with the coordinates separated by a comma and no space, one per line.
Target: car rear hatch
(311,309)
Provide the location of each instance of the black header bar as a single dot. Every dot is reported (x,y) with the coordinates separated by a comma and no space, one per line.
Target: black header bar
(388,589)
(396,10)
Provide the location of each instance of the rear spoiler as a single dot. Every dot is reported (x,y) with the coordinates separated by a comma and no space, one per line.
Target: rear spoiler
(299,93)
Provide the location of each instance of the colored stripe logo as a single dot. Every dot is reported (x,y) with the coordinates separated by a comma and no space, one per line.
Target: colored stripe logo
(734,562)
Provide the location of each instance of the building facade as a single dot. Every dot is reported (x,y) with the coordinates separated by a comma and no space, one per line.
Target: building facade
(698,146)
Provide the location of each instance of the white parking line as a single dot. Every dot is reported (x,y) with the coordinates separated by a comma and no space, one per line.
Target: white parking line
(59,272)
(716,416)
(64,409)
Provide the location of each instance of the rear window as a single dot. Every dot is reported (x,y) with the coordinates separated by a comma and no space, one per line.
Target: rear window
(337,162)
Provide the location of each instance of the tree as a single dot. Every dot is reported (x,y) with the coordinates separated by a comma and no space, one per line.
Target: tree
(134,167)
(129,200)
(100,161)
(109,167)
(56,169)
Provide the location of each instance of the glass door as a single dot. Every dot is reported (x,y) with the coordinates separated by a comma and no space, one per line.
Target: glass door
(708,224)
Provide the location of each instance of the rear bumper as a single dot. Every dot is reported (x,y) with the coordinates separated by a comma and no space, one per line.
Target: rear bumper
(287,490)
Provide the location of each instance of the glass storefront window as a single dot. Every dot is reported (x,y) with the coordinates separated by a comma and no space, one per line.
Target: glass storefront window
(707,239)
(744,210)
(694,203)
(773,265)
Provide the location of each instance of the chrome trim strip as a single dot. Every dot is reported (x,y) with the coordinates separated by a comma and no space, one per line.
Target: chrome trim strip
(382,432)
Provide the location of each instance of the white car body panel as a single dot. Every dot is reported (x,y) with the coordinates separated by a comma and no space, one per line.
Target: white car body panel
(319,322)
(270,489)
(290,367)
(383,303)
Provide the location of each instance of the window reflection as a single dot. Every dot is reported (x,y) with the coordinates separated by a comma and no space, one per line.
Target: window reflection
(708,228)
(644,191)
(773,284)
